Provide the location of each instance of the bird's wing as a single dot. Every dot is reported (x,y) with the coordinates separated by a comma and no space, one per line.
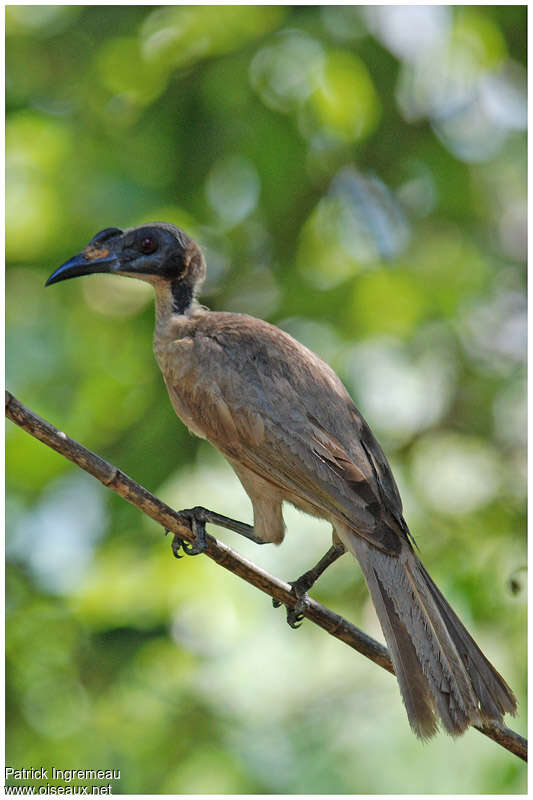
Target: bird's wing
(272,405)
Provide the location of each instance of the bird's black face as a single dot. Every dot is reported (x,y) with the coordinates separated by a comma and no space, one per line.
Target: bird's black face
(158,253)
(147,252)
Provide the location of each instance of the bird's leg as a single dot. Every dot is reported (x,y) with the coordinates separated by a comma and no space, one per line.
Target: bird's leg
(301,586)
(205,515)
(199,516)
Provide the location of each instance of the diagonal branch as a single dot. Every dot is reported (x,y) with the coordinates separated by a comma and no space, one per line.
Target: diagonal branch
(179,524)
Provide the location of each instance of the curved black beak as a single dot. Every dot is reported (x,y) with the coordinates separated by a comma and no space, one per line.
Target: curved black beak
(92,259)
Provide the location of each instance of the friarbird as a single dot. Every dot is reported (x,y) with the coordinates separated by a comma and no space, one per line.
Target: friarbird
(288,427)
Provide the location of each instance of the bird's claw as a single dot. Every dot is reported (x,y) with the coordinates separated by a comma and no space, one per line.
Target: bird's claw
(296,615)
(188,548)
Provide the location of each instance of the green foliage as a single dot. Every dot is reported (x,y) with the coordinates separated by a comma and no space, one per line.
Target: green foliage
(357,176)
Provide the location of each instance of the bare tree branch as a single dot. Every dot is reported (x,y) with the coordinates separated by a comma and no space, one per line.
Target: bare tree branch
(179,524)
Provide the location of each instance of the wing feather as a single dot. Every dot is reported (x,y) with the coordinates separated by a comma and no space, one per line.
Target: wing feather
(270,403)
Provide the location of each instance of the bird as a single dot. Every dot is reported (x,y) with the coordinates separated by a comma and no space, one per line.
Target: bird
(290,430)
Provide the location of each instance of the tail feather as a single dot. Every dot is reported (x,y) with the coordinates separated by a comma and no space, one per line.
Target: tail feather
(413,682)
(442,673)
(495,696)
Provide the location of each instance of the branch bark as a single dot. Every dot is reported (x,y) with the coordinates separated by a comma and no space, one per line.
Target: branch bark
(179,524)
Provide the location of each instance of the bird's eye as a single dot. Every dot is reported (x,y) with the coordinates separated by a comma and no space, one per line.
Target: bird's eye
(148,245)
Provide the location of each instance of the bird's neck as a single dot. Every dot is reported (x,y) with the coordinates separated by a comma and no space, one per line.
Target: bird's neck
(182,297)
(172,301)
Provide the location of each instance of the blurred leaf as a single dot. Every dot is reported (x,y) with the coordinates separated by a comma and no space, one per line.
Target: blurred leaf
(345,102)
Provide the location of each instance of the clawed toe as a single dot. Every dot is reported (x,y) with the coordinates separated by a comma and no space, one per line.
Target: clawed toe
(200,541)
(188,549)
(300,587)
(295,615)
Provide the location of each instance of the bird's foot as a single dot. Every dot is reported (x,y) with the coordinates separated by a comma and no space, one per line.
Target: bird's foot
(200,541)
(295,615)
(201,514)
(300,587)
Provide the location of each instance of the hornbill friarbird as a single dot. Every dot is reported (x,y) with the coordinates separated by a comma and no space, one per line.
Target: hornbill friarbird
(291,432)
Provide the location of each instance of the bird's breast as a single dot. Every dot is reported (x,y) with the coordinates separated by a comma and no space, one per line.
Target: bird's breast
(194,393)
(174,352)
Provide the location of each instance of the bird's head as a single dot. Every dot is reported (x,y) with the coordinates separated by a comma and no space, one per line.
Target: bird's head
(159,253)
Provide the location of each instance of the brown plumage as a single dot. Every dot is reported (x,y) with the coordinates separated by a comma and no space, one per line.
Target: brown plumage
(287,425)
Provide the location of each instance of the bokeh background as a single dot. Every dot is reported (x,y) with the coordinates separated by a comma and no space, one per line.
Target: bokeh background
(356,175)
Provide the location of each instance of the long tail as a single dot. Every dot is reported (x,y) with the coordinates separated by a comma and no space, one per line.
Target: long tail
(441,671)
